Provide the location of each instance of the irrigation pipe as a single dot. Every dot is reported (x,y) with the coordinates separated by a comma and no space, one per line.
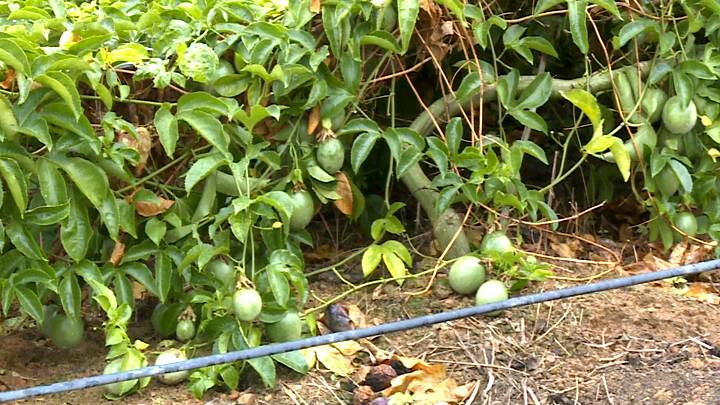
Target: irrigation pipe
(356,334)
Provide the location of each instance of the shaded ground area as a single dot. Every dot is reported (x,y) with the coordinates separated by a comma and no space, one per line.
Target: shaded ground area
(639,345)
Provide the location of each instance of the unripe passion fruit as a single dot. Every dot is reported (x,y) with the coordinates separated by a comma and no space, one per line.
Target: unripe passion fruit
(677,117)
(496,243)
(185,330)
(65,332)
(687,223)
(286,329)
(304,209)
(490,292)
(667,182)
(331,155)
(653,103)
(645,138)
(222,271)
(466,275)
(168,357)
(246,304)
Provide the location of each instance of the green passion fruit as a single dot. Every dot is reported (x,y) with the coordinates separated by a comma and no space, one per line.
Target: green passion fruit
(496,243)
(686,222)
(288,328)
(667,182)
(130,361)
(222,271)
(466,274)
(330,155)
(65,332)
(185,330)
(678,117)
(246,304)
(304,209)
(491,291)
(168,357)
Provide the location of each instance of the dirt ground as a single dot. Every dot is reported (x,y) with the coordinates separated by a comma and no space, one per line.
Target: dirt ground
(641,345)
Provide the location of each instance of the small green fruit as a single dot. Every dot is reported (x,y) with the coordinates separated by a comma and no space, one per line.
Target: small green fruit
(247,304)
(168,357)
(677,117)
(185,330)
(687,223)
(667,182)
(65,332)
(304,210)
(286,329)
(496,243)
(466,275)
(491,291)
(331,155)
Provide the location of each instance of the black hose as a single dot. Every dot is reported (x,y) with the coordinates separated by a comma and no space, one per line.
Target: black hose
(356,334)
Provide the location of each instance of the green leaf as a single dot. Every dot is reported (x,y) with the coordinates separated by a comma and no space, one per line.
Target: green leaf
(454,134)
(24,241)
(76,231)
(155,230)
(469,86)
(167,128)
(408,158)
(544,5)
(400,250)
(537,93)
(163,275)
(202,168)
(209,128)
(635,28)
(230,376)
(317,173)
(371,259)
(482,30)
(530,119)
(16,182)
(142,274)
(281,202)
(265,368)
(531,149)
(202,101)
(69,292)
(599,144)
(698,69)
(578,26)
(539,44)
(608,5)
(395,265)
(14,56)
(407,17)
(30,303)
(587,103)
(47,214)
(293,360)
(382,39)
(682,174)
(65,87)
(89,178)
(622,157)
(361,148)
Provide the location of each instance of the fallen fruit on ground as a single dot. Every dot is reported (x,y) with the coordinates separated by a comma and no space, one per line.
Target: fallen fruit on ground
(168,357)
(490,292)
(65,332)
(466,275)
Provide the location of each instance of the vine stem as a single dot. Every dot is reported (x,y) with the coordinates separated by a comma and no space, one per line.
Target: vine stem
(420,186)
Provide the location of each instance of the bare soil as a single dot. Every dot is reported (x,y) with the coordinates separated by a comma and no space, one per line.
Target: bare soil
(641,345)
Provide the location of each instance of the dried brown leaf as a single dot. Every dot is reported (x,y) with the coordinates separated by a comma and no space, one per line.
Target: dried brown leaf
(702,292)
(315,6)
(343,188)
(313,120)
(678,253)
(566,250)
(7,84)
(141,144)
(148,209)
(117,253)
